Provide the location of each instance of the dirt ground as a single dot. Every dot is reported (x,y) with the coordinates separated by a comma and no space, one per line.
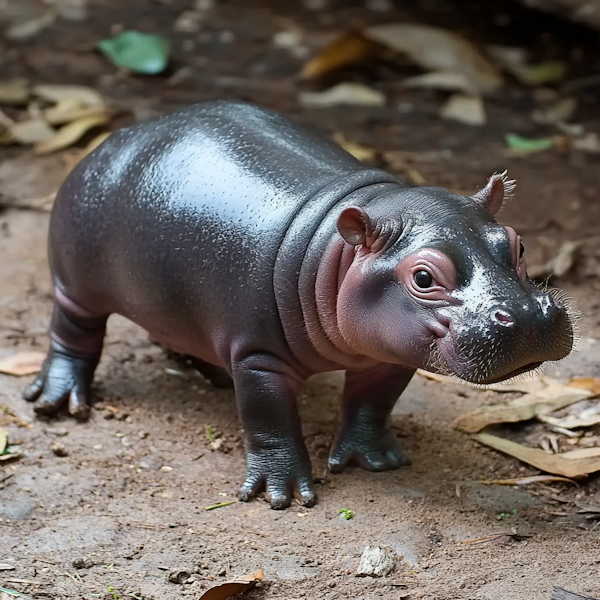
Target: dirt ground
(124,509)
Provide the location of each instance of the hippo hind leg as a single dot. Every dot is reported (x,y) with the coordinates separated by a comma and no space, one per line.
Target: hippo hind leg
(217,376)
(76,337)
(364,437)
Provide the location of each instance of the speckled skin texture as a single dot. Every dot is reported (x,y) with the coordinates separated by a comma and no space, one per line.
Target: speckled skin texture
(269,254)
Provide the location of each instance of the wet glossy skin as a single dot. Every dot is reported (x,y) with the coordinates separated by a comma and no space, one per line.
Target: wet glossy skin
(269,254)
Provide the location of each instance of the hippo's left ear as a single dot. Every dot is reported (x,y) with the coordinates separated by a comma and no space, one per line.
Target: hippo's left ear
(355,226)
(494,193)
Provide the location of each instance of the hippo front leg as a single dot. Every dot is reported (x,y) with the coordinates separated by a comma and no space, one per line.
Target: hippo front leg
(364,436)
(276,456)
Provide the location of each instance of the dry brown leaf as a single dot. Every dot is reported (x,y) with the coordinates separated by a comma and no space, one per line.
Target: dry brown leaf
(561,264)
(583,417)
(526,407)
(528,480)
(22,363)
(464,109)
(576,463)
(439,80)
(32,131)
(69,110)
(591,384)
(72,132)
(3,440)
(525,386)
(14,91)
(362,153)
(234,586)
(345,50)
(351,94)
(436,49)
(57,93)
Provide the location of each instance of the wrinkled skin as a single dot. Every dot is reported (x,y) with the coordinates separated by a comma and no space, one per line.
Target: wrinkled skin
(269,254)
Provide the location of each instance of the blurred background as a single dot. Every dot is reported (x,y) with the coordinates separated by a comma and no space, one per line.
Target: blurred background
(439,92)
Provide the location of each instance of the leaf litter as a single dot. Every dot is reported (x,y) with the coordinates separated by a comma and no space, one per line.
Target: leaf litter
(229,588)
(543,396)
(22,363)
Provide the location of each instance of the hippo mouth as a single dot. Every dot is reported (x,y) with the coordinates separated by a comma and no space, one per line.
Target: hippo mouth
(528,367)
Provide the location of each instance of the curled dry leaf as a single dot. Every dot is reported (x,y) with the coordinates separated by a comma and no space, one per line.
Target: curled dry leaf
(69,110)
(526,407)
(235,586)
(362,153)
(72,132)
(436,49)
(345,50)
(439,80)
(3,440)
(561,264)
(353,94)
(529,480)
(22,363)
(576,463)
(14,91)
(465,109)
(57,93)
(591,384)
(32,131)
(581,415)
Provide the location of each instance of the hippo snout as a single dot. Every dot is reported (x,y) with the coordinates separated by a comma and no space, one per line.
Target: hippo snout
(512,337)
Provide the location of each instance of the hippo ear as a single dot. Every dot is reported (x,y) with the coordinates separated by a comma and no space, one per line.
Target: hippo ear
(494,193)
(355,226)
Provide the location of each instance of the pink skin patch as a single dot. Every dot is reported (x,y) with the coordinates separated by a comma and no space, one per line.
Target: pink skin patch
(441,269)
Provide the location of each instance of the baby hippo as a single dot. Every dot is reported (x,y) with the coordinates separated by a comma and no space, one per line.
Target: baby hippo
(269,254)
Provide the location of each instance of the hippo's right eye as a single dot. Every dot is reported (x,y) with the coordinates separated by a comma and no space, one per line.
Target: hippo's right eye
(423,279)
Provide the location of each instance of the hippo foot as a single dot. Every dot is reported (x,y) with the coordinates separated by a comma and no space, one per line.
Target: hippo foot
(278,478)
(64,379)
(371,450)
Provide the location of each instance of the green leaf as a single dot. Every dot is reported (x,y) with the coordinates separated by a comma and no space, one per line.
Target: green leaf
(139,52)
(14,593)
(346,513)
(523,144)
(544,73)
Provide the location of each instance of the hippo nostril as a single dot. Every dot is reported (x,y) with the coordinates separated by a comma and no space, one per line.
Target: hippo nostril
(503,318)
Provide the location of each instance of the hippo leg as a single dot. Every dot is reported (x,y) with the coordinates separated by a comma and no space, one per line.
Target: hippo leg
(276,456)
(364,436)
(217,376)
(67,373)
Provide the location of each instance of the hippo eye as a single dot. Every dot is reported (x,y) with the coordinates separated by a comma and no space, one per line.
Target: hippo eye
(522,250)
(423,279)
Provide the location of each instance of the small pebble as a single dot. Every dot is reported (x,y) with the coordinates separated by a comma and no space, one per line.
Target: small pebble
(59,449)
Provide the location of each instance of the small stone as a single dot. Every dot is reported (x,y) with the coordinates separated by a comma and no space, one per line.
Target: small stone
(82,563)
(59,449)
(222,572)
(179,576)
(375,562)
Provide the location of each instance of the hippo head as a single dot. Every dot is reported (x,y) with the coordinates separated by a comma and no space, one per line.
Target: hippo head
(436,283)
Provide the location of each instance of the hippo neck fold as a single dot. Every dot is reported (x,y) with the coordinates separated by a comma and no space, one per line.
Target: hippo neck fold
(310,266)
